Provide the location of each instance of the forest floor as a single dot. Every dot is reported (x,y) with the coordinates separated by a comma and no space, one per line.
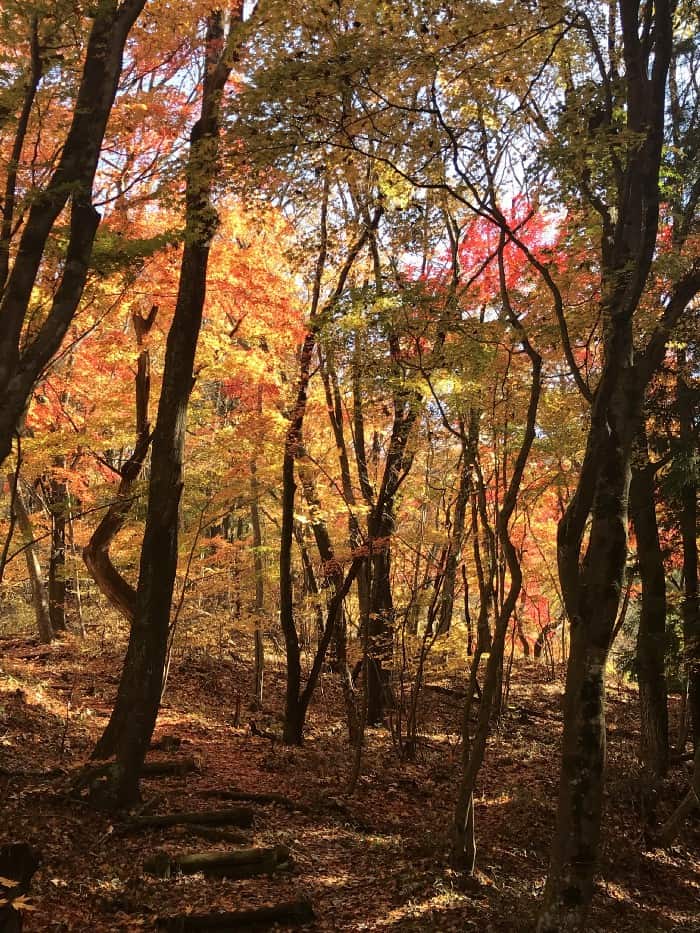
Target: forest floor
(373,861)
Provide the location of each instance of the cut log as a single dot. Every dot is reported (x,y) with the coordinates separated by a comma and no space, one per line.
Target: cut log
(233,816)
(254,796)
(293,913)
(232,863)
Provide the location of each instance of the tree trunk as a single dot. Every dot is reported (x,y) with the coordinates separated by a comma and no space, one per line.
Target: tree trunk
(651,637)
(39,598)
(296,704)
(21,366)
(463,847)
(592,582)
(689,533)
(120,593)
(381,634)
(455,546)
(57,564)
(259,607)
(140,688)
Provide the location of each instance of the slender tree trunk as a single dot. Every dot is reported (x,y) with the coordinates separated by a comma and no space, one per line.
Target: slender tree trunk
(58,494)
(689,533)
(140,688)
(258,569)
(295,706)
(651,638)
(381,634)
(455,546)
(39,598)
(463,848)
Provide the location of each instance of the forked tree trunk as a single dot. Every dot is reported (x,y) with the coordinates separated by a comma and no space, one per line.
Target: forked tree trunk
(117,589)
(592,581)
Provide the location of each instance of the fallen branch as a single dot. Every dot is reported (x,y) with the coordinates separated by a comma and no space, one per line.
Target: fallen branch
(255,796)
(291,913)
(675,821)
(166,767)
(233,816)
(234,863)
(214,834)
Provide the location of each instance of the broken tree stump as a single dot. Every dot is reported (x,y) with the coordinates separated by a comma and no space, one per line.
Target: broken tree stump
(294,913)
(233,816)
(232,863)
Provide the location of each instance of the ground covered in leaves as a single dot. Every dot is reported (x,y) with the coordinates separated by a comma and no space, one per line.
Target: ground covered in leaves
(372,861)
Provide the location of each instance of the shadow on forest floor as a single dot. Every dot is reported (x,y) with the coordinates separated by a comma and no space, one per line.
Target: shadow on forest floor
(375,861)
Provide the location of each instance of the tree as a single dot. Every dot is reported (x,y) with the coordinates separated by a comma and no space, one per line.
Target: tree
(134,715)
(23,356)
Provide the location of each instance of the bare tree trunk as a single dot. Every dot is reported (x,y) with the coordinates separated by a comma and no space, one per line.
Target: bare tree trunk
(651,637)
(258,569)
(455,546)
(689,533)
(592,581)
(296,700)
(36,579)
(58,506)
(463,848)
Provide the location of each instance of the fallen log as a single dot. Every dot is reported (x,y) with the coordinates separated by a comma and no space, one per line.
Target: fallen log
(233,863)
(233,816)
(254,796)
(293,913)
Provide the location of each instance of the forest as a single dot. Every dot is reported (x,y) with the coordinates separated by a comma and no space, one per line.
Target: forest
(349,434)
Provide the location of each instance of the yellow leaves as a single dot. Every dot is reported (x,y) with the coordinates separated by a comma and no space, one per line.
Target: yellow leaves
(395,188)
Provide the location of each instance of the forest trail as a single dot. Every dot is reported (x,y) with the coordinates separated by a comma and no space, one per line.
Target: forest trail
(374,861)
